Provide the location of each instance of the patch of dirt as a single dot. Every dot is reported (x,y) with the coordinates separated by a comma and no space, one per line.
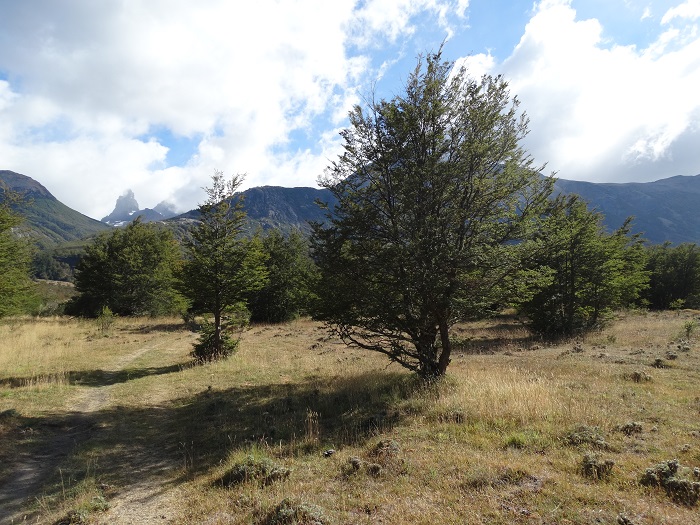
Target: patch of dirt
(140,503)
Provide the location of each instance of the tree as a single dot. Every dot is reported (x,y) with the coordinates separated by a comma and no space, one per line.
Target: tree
(674,276)
(16,288)
(433,190)
(291,274)
(591,272)
(222,266)
(131,271)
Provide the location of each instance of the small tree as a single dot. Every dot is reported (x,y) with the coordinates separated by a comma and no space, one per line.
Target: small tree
(432,189)
(222,266)
(291,273)
(591,272)
(131,271)
(16,288)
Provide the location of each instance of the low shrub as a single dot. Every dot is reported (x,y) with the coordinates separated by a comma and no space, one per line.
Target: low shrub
(261,470)
(670,476)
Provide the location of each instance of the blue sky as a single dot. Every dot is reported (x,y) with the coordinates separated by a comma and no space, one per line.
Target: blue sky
(153,95)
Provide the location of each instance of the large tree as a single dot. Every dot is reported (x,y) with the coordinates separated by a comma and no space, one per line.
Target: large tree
(223,266)
(591,272)
(435,197)
(291,274)
(16,288)
(131,271)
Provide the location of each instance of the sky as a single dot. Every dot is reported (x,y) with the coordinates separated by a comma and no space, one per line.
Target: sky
(156,95)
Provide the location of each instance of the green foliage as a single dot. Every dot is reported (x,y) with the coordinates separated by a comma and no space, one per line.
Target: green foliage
(432,189)
(596,469)
(212,345)
(105,319)
(58,264)
(222,266)
(590,271)
(131,271)
(674,280)
(291,274)
(16,289)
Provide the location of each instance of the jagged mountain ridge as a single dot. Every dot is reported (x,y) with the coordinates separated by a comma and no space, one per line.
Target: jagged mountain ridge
(127,209)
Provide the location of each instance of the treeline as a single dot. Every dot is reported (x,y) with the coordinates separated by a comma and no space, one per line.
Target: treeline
(568,278)
(138,269)
(133,271)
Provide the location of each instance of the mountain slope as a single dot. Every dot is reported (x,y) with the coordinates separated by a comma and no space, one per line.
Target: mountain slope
(663,210)
(274,207)
(48,221)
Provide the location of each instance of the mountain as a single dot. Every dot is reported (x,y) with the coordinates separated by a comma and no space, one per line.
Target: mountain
(274,207)
(48,221)
(127,209)
(663,210)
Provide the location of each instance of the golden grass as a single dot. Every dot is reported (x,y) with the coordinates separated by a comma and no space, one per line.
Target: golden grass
(490,444)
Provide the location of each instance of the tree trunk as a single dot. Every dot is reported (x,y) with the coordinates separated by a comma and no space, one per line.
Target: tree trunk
(218,351)
(444,359)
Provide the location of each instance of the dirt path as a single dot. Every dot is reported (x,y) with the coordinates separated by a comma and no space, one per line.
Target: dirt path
(141,502)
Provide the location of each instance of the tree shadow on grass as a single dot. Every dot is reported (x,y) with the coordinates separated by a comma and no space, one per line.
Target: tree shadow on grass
(491,339)
(189,436)
(93,378)
(175,326)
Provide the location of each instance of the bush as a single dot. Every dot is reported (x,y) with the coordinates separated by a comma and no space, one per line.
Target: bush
(585,435)
(262,470)
(596,469)
(670,476)
(290,512)
(206,348)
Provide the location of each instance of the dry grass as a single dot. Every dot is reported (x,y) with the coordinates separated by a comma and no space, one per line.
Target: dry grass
(490,444)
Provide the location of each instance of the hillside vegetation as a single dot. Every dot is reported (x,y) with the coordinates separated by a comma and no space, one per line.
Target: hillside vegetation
(124,430)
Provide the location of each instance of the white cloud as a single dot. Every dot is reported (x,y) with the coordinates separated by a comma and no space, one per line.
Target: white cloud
(244,78)
(605,112)
(83,85)
(85,82)
(690,10)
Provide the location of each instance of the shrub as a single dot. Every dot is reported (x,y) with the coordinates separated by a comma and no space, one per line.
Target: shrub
(670,476)
(105,319)
(629,428)
(206,347)
(596,469)
(585,435)
(262,470)
(290,512)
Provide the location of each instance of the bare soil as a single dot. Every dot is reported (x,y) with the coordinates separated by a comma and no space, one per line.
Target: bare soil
(142,502)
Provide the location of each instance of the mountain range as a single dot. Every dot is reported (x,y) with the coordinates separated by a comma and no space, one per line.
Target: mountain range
(664,210)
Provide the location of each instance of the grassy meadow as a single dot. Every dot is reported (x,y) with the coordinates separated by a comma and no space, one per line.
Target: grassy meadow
(130,432)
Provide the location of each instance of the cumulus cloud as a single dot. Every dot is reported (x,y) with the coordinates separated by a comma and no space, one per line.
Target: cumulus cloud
(601,111)
(86,88)
(689,10)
